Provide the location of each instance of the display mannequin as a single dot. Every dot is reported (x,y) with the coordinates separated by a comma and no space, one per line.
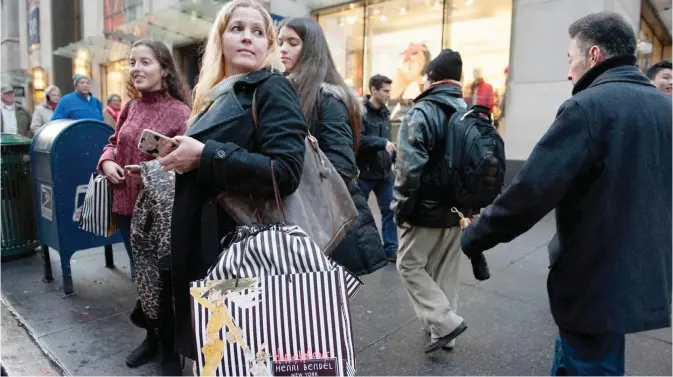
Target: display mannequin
(480,92)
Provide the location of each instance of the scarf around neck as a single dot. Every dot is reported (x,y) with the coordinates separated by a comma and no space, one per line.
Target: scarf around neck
(114,113)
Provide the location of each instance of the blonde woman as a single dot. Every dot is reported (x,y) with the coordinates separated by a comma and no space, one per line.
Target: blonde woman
(43,112)
(224,150)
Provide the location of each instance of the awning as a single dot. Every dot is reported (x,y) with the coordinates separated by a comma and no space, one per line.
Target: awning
(98,47)
(15,77)
(185,23)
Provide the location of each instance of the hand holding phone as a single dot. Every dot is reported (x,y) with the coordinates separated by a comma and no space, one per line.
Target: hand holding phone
(133,169)
(156,144)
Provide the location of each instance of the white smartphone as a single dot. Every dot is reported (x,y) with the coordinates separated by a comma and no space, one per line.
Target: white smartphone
(156,144)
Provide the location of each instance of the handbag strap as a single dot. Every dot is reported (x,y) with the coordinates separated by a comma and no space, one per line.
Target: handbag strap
(276,192)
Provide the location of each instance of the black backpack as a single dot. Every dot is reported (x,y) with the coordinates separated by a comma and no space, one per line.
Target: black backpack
(475,157)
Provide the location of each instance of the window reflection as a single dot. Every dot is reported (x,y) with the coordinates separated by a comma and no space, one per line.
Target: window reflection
(397,38)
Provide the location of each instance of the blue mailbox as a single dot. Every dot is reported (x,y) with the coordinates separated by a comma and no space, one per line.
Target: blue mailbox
(64,153)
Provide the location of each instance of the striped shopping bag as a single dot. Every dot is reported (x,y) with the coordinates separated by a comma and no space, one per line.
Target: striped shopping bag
(96,215)
(274,304)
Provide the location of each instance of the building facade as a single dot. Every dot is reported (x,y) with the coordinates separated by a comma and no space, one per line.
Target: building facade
(517,46)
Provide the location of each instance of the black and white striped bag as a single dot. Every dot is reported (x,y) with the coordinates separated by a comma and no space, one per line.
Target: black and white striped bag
(96,215)
(282,305)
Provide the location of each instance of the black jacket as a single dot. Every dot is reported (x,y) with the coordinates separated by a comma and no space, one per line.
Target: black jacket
(236,160)
(374,160)
(419,194)
(605,165)
(361,251)
(333,132)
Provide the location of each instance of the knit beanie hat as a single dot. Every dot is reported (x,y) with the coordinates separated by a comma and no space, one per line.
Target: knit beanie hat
(448,65)
(76,77)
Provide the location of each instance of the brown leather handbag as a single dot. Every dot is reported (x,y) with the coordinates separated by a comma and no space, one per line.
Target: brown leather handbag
(321,206)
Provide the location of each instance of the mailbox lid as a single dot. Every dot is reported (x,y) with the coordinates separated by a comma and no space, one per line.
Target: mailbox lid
(47,135)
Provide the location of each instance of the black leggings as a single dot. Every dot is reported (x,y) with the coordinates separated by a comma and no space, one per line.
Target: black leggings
(124,226)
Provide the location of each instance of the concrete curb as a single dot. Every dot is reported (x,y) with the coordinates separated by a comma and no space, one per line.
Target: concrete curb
(31,332)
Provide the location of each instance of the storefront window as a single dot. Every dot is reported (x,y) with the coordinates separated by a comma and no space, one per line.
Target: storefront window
(397,38)
(650,49)
(402,37)
(344,29)
(115,79)
(480,30)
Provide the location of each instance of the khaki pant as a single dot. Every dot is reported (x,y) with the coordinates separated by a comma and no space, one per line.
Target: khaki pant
(429,263)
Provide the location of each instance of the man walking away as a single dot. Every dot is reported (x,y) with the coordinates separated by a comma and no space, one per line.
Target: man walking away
(605,165)
(661,75)
(429,256)
(375,158)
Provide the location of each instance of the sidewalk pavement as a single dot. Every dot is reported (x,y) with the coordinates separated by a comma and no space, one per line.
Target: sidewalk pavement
(21,355)
(510,329)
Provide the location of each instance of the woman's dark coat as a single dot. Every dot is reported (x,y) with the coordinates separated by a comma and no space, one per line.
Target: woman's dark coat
(237,161)
(361,250)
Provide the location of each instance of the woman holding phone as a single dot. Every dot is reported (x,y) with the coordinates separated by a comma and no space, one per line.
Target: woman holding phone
(158,103)
(225,150)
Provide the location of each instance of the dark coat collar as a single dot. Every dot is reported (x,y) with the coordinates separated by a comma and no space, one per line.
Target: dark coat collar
(383,110)
(591,77)
(256,77)
(228,108)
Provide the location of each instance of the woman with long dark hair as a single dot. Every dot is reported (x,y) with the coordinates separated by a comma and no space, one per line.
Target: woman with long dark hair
(335,119)
(158,102)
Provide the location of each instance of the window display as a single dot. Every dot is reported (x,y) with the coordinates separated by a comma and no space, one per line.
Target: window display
(115,79)
(650,49)
(397,38)
(344,29)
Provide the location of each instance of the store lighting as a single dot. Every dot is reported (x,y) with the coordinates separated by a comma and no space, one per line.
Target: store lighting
(403,11)
(468,2)
(438,6)
(83,54)
(377,11)
(352,6)
(39,79)
(351,19)
(383,18)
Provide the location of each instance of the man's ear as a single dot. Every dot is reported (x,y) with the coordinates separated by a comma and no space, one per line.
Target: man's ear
(595,55)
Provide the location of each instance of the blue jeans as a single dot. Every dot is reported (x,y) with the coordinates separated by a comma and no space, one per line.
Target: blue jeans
(383,189)
(588,355)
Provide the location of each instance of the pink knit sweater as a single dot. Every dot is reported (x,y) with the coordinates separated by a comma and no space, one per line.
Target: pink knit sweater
(157,111)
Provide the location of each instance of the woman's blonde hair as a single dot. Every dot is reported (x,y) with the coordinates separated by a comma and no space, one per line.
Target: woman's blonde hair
(212,65)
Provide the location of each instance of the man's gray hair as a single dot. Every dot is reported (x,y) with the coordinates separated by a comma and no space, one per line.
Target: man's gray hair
(607,30)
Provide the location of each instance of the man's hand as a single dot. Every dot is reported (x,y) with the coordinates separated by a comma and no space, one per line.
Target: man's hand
(401,221)
(390,147)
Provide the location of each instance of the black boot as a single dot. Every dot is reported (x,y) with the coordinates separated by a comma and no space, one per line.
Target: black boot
(170,361)
(171,366)
(145,352)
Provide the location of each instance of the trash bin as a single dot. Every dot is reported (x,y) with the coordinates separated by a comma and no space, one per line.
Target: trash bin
(19,228)
(64,153)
